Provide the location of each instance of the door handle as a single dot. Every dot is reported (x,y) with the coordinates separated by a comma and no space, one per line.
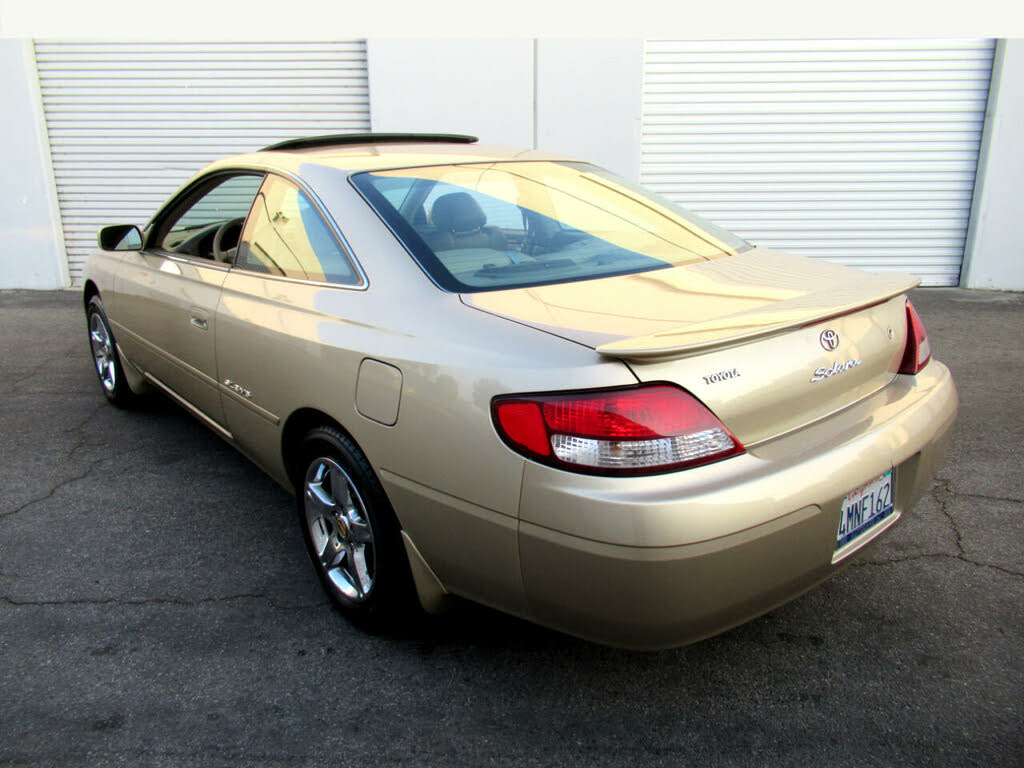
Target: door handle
(198,320)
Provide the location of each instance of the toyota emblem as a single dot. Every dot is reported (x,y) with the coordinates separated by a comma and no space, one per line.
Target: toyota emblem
(829,339)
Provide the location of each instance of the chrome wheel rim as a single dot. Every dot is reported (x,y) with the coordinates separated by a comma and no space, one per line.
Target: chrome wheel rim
(339,529)
(102,351)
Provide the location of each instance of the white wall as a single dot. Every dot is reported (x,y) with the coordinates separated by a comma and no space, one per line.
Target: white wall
(480,87)
(589,101)
(580,97)
(577,96)
(995,246)
(32,253)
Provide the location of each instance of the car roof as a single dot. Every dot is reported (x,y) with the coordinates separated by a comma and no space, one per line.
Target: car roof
(371,155)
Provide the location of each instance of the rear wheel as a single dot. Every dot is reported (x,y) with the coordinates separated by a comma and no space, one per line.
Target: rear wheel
(351,533)
(106,360)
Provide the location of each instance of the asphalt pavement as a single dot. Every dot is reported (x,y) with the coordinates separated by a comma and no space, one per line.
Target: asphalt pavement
(157,609)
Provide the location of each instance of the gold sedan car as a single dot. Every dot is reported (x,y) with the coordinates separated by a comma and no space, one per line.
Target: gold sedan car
(517,378)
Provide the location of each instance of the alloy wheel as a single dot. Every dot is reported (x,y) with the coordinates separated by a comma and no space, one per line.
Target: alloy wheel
(339,529)
(102,351)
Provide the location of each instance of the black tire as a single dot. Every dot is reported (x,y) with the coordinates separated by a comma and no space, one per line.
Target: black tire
(106,360)
(380,594)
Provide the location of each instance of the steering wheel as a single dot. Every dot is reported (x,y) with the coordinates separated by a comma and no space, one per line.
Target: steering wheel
(229,231)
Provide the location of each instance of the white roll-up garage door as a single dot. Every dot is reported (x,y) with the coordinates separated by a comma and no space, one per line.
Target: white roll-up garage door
(858,151)
(128,123)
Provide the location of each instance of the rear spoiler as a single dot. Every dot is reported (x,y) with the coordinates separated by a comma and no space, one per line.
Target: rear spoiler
(776,318)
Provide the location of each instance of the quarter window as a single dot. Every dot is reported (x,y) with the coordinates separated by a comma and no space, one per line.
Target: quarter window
(287,236)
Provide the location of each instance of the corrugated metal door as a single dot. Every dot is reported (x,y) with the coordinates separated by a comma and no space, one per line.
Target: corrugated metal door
(858,151)
(130,122)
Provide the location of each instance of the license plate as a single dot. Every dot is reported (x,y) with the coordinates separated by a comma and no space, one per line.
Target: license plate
(865,508)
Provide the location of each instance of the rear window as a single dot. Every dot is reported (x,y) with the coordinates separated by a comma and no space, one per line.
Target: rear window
(489,226)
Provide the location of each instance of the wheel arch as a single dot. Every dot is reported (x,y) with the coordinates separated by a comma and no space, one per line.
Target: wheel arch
(88,291)
(295,428)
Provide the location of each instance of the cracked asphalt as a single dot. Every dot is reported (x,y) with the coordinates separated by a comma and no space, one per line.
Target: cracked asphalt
(157,609)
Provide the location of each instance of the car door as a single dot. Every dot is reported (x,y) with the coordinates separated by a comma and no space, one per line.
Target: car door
(168,294)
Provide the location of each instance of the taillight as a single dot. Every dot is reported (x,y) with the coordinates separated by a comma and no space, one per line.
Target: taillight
(919,350)
(639,430)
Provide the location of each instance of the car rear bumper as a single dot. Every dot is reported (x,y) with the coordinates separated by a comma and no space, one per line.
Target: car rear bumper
(666,560)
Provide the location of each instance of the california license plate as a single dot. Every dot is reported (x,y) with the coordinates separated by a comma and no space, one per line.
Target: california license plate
(865,508)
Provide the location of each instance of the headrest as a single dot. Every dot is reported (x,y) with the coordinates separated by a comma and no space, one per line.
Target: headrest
(457,212)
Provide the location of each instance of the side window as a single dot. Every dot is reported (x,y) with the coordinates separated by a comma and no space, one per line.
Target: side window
(287,236)
(192,229)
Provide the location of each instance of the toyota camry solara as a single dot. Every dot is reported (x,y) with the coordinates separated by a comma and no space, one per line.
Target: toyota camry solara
(518,378)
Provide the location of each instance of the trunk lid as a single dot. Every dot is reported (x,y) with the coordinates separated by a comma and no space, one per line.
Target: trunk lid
(769,341)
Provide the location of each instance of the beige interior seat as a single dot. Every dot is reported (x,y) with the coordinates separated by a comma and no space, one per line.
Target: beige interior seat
(461,223)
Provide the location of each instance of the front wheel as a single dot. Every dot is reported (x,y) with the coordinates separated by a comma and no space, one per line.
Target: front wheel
(106,360)
(351,533)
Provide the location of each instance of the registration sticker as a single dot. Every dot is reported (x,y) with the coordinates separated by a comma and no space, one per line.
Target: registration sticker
(865,508)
